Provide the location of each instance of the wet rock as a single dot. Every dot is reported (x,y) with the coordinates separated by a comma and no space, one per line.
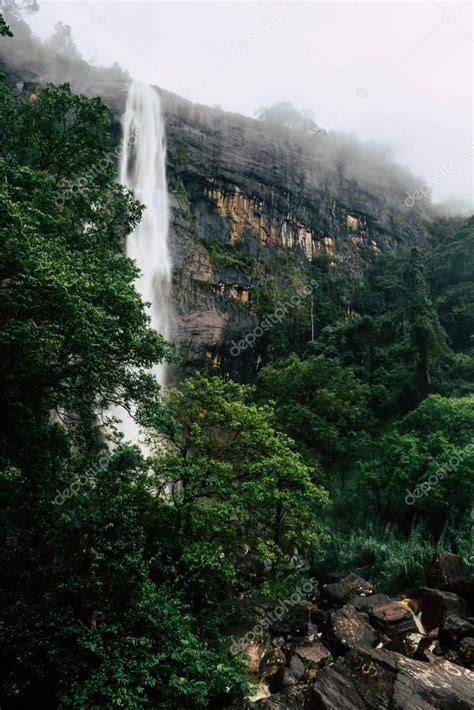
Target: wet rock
(466,651)
(412,645)
(320,618)
(346,628)
(393,618)
(282,678)
(292,621)
(311,607)
(313,655)
(341,592)
(290,699)
(297,666)
(453,630)
(329,577)
(366,604)
(435,605)
(383,680)
(271,661)
(448,573)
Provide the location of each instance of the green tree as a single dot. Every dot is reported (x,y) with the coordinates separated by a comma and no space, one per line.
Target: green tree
(86,622)
(320,403)
(425,332)
(89,626)
(4,28)
(240,494)
(421,471)
(75,338)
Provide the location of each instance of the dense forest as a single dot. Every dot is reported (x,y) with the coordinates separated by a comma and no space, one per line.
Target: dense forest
(350,449)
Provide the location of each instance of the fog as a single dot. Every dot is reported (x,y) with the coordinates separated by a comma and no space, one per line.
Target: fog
(399,74)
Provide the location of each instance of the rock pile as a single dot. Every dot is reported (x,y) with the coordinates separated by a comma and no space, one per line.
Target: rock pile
(349,647)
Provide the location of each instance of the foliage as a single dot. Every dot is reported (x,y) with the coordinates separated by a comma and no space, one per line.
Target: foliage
(285,114)
(393,338)
(85,621)
(89,619)
(240,494)
(75,336)
(319,403)
(4,28)
(393,562)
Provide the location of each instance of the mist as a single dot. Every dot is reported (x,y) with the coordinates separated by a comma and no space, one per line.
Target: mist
(389,83)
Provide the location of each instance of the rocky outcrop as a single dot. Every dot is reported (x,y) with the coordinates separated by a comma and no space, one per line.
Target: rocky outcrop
(382,655)
(251,206)
(263,204)
(378,679)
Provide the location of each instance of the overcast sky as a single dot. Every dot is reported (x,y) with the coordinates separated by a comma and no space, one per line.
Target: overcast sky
(398,73)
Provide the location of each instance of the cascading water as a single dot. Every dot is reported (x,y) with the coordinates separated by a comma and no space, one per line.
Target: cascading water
(143,169)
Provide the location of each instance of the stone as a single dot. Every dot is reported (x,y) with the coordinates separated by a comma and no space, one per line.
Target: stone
(271,661)
(293,621)
(436,604)
(341,592)
(281,678)
(320,618)
(293,698)
(453,630)
(346,628)
(314,654)
(366,604)
(466,651)
(311,607)
(393,618)
(412,645)
(448,573)
(297,666)
(377,679)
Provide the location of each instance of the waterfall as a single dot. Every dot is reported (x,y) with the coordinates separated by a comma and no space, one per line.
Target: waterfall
(143,169)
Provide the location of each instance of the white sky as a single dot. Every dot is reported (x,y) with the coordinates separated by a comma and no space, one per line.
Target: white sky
(398,73)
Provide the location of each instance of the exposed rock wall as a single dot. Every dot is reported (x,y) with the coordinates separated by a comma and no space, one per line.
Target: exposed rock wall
(251,205)
(249,201)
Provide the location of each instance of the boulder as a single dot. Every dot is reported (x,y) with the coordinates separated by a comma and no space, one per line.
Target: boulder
(293,698)
(412,645)
(351,586)
(466,651)
(377,679)
(280,679)
(292,621)
(453,630)
(311,607)
(297,666)
(271,661)
(313,655)
(448,573)
(393,618)
(366,604)
(346,628)
(436,604)
(320,618)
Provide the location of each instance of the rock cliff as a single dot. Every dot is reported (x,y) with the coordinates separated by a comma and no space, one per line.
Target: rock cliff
(252,206)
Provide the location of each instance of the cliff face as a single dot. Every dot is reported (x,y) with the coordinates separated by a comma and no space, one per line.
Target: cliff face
(250,204)
(251,208)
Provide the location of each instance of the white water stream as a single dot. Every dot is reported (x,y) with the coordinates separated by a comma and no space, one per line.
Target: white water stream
(143,169)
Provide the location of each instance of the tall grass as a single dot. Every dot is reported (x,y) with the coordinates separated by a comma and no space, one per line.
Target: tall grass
(392,562)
